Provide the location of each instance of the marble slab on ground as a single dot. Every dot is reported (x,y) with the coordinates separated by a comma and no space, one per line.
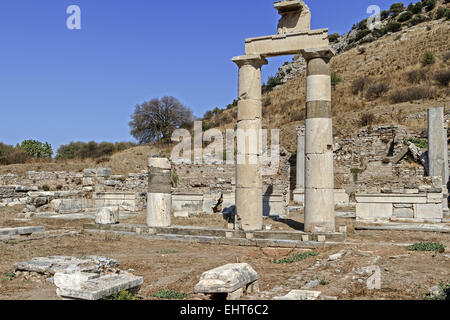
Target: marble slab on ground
(431,227)
(87,215)
(20,231)
(103,286)
(64,264)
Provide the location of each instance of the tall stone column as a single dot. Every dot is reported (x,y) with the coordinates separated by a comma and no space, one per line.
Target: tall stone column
(319,171)
(438,150)
(249,202)
(159,197)
(299,192)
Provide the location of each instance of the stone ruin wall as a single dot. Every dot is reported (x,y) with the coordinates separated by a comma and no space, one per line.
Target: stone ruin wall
(367,150)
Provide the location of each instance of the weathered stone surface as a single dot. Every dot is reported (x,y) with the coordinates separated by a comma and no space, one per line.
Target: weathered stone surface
(107,215)
(97,288)
(71,205)
(20,231)
(300,295)
(226,279)
(65,264)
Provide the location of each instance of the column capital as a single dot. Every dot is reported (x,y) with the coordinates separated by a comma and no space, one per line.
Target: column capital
(320,52)
(250,59)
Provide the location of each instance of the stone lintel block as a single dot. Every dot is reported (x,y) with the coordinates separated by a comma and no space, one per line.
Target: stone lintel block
(286,44)
(319,171)
(226,279)
(321,238)
(428,211)
(403,213)
(319,137)
(343,229)
(391,198)
(249,110)
(434,197)
(369,211)
(305,238)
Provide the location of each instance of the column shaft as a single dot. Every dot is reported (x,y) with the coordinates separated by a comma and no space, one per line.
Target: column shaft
(438,150)
(299,192)
(249,207)
(159,197)
(319,173)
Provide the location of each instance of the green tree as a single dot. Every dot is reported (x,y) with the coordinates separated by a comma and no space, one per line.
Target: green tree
(37,149)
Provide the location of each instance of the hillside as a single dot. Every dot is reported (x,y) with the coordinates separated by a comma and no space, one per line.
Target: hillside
(385,67)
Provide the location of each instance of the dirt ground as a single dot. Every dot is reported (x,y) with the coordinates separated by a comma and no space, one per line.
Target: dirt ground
(178,265)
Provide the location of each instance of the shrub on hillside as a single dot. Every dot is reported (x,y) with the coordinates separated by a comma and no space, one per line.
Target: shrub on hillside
(405,16)
(393,26)
(92,150)
(360,84)
(417,76)
(377,90)
(367,119)
(443,77)
(333,37)
(417,19)
(335,79)
(412,94)
(362,33)
(396,8)
(428,58)
(429,4)
(384,14)
(271,83)
(415,8)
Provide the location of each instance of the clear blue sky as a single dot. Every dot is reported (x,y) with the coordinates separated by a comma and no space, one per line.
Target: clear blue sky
(61,85)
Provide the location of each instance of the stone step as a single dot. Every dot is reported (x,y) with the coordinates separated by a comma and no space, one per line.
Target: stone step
(20,231)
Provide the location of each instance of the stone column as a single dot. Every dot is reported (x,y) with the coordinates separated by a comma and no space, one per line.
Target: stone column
(159,197)
(299,192)
(249,202)
(319,171)
(446,176)
(438,150)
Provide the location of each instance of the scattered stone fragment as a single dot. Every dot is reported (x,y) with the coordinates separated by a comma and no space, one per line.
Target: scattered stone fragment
(107,215)
(300,295)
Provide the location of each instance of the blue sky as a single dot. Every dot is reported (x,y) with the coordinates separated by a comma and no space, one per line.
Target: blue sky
(61,85)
